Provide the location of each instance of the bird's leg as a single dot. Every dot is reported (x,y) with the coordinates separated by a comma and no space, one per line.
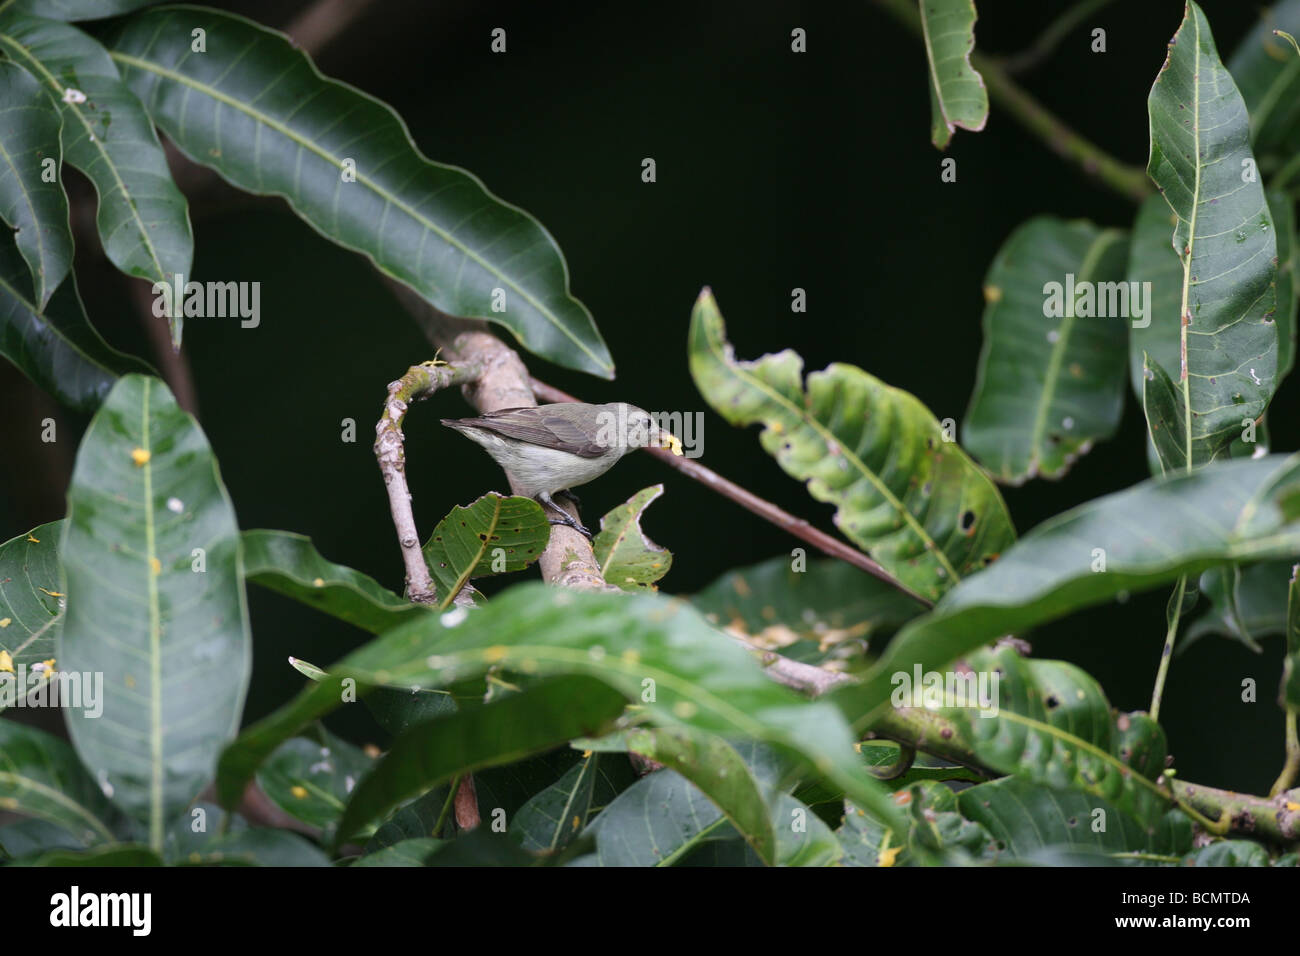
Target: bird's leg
(564,517)
(565,492)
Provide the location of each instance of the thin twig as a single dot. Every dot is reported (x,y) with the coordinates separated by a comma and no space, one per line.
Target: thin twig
(1056,31)
(1171,634)
(1129,181)
(798,527)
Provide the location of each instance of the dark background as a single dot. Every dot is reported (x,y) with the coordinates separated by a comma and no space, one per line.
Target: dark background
(775,170)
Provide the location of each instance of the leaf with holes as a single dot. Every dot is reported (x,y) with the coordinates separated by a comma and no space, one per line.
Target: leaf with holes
(957,94)
(144,222)
(170,636)
(1051,375)
(627,558)
(1225,327)
(34,206)
(347,165)
(494,535)
(1130,541)
(923,509)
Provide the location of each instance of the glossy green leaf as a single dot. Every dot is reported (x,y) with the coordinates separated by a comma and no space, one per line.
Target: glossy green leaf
(438,750)
(29,837)
(144,222)
(31,604)
(32,203)
(923,509)
(551,819)
(77,9)
(1225,240)
(714,767)
(120,854)
(290,564)
(628,558)
(1152,259)
(1146,536)
(311,780)
(1267,71)
(695,679)
(56,347)
(493,535)
(1052,725)
(1282,209)
(1229,853)
(414,852)
(1051,375)
(957,94)
(347,165)
(257,846)
(1246,603)
(810,611)
(40,776)
(1028,821)
(155,602)
(417,819)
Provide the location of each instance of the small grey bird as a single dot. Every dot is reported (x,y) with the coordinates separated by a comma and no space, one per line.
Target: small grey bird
(551,449)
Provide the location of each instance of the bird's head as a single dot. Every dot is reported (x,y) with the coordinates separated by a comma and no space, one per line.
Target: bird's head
(630,427)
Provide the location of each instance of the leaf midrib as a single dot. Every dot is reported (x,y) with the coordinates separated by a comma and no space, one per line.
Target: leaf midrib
(386,195)
(155,638)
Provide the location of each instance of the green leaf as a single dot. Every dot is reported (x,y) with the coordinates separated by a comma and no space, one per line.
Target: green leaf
(31,837)
(1052,725)
(1288,276)
(1148,535)
(1032,822)
(1229,853)
(79,9)
(1152,260)
(1225,241)
(695,679)
(713,766)
(258,846)
(35,209)
(1291,666)
(56,347)
(810,611)
(290,564)
(311,780)
(347,165)
(493,535)
(119,854)
(436,751)
(170,634)
(31,604)
(627,558)
(416,820)
(41,777)
(551,819)
(1167,418)
(1050,385)
(957,93)
(923,509)
(144,222)
(1246,603)
(414,852)
(1267,71)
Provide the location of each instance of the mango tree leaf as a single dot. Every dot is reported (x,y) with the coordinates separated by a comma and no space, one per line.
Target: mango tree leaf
(413,852)
(1226,325)
(1052,725)
(1129,541)
(717,770)
(41,777)
(347,165)
(119,854)
(810,611)
(56,347)
(144,222)
(1050,380)
(695,679)
(35,209)
(257,846)
(1152,260)
(1028,821)
(416,820)
(31,837)
(552,818)
(1229,853)
(494,535)
(438,750)
(1288,279)
(923,509)
(31,604)
(1246,603)
(311,780)
(627,558)
(79,9)
(1267,71)
(1291,666)
(170,635)
(957,93)
(290,564)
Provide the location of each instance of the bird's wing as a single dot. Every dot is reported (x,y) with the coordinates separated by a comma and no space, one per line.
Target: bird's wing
(540,428)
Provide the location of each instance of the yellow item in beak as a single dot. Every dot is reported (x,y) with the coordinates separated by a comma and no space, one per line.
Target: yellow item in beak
(672,441)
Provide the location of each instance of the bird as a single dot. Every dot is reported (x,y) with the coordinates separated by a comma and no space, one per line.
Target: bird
(551,449)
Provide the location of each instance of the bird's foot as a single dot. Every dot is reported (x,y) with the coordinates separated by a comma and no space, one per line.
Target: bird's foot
(576,526)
